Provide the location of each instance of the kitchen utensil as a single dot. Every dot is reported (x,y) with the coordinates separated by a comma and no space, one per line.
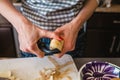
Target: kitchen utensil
(46,49)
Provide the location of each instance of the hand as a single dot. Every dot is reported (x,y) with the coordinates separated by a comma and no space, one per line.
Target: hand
(69,34)
(29,35)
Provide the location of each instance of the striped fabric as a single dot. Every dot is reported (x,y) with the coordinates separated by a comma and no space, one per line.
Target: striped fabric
(50,14)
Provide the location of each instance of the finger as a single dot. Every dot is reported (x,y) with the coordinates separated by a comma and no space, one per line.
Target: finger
(60,29)
(56,36)
(39,53)
(35,50)
(59,55)
(49,34)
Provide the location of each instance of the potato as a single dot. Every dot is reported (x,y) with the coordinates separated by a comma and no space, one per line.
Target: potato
(56,44)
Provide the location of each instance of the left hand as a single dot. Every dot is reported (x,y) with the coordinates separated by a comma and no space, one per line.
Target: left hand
(69,34)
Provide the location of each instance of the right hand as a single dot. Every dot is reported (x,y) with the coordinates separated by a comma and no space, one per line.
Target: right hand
(29,34)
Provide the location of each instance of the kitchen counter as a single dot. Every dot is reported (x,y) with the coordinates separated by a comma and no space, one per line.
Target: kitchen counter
(81,61)
(114,9)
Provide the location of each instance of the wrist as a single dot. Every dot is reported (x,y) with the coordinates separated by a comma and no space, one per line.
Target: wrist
(21,22)
(77,24)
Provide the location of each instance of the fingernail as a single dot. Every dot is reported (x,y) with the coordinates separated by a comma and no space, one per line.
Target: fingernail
(61,38)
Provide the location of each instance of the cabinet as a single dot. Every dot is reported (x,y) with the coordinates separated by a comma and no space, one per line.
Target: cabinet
(103,35)
(7,40)
(7,45)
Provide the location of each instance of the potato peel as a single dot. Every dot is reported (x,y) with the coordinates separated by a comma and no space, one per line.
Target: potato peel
(56,73)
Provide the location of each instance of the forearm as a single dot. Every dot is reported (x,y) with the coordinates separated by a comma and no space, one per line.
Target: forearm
(85,13)
(11,14)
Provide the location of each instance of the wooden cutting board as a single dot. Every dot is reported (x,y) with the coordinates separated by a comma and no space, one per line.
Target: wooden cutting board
(29,68)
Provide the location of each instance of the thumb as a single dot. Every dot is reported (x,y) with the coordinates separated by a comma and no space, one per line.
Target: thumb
(38,52)
(59,30)
(59,55)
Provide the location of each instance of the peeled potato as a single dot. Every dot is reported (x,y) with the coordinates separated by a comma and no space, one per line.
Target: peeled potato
(56,44)
(6,74)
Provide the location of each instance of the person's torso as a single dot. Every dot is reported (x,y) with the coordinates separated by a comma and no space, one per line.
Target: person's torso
(50,14)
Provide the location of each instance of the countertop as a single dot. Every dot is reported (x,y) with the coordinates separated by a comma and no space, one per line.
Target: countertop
(81,61)
(115,8)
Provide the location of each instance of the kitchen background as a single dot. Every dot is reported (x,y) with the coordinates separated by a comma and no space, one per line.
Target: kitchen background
(102,35)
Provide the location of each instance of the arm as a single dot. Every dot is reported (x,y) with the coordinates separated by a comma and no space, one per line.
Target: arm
(28,33)
(71,29)
(85,13)
(11,14)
